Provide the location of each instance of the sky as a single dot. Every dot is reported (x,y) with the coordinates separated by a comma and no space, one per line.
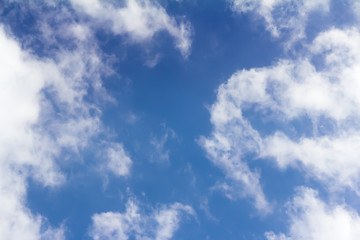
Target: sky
(179,119)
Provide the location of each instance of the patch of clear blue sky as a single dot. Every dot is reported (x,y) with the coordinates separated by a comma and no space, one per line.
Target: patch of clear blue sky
(173,94)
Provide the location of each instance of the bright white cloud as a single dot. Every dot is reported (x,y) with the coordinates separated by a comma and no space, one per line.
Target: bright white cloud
(293,90)
(140,20)
(283,15)
(118,160)
(43,108)
(27,149)
(18,222)
(233,137)
(313,219)
(168,219)
(332,160)
(43,112)
(328,96)
(159,225)
(112,225)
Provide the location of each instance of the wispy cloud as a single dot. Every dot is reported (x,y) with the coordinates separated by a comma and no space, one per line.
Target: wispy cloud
(283,17)
(32,135)
(140,20)
(49,99)
(160,153)
(161,224)
(293,89)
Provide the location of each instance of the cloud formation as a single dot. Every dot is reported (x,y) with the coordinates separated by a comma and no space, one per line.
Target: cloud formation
(140,20)
(48,99)
(118,161)
(324,93)
(161,224)
(283,16)
(313,219)
(33,134)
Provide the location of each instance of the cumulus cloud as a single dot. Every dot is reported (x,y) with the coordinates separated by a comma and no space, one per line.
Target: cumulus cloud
(319,87)
(161,224)
(332,160)
(140,20)
(31,137)
(46,104)
(313,219)
(43,112)
(18,222)
(283,15)
(118,161)
(326,95)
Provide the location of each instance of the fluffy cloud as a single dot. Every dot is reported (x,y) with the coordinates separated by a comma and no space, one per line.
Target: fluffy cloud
(118,160)
(292,91)
(31,137)
(43,112)
(326,95)
(139,19)
(332,160)
(283,15)
(160,225)
(45,103)
(313,219)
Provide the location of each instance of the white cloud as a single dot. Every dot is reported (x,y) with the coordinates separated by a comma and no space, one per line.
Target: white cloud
(44,104)
(225,151)
(313,219)
(161,224)
(17,222)
(118,160)
(283,15)
(290,91)
(233,136)
(332,160)
(140,20)
(80,31)
(328,96)
(43,112)
(111,225)
(27,149)
(168,220)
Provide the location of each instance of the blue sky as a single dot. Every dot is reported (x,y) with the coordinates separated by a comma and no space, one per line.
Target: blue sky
(189,119)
